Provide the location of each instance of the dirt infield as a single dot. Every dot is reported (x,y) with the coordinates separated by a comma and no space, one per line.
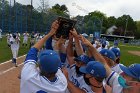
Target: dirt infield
(134,52)
(9,82)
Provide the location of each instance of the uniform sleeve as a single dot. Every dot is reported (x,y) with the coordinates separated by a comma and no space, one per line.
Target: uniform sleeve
(32,55)
(29,70)
(112,80)
(63,57)
(71,71)
(48,44)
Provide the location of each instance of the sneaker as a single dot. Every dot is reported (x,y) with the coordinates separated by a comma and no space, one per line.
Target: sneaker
(16,65)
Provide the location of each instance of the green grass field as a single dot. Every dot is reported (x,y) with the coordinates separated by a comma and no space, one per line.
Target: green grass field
(126,58)
(5,51)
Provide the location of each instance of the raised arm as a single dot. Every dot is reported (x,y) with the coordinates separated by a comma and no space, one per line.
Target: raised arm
(72,88)
(54,27)
(33,52)
(69,50)
(78,46)
(96,54)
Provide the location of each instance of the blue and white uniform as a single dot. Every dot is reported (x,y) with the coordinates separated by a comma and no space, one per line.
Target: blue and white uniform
(114,81)
(78,80)
(14,46)
(32,82)
(25,38)
(117,68)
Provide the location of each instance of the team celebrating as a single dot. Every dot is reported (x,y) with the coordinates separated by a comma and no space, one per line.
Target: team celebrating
(72,65)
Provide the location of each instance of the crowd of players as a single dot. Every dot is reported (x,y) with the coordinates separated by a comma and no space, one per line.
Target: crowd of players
(13,41)
(77,66)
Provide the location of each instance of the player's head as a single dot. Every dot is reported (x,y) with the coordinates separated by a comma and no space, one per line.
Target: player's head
(81,61)
(132,71)
(109,56)
(103,44)
(49,62)
(132,76)
(117,54)
(94,73)
(14,35)
(115,43)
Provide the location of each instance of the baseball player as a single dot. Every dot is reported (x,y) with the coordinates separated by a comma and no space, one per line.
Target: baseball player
(116,67)
(14,41)
(103,46)
(94,76)
(38,37)
(48,78)
(76,83)
(111,59)
(32,40)
(107,44)
(115,45)
(25,38)
(129,83)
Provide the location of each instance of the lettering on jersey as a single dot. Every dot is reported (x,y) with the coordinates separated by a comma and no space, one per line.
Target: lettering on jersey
(41,91)
(75,81)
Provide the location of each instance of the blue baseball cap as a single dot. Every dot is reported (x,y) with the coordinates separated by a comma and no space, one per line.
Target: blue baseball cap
(116,52)
(82,58)
(103,42)
(115,43)
(49,61)
(133,70)
(94,68)
(108,53)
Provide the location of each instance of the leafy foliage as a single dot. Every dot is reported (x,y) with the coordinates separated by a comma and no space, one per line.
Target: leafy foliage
(21,18)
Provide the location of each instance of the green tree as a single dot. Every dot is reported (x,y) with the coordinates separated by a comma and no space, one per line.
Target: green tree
(95,21)
(111,21)
(127,24)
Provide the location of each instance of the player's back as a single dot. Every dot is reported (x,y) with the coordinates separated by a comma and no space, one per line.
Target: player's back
(32,82)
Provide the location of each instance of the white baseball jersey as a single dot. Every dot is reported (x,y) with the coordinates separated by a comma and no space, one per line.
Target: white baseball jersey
(8,36)
(107,44)
(38,38)
(14,43)
(100,48)
(32,82)
(117,68)
(25,36)
(113,81)
(78,80)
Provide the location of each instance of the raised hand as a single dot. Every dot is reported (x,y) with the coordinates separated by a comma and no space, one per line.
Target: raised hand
(74,33)
(85,41)
(70,37)
(54,27)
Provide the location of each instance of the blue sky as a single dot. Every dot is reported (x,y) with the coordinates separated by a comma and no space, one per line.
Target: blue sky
(109,7)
